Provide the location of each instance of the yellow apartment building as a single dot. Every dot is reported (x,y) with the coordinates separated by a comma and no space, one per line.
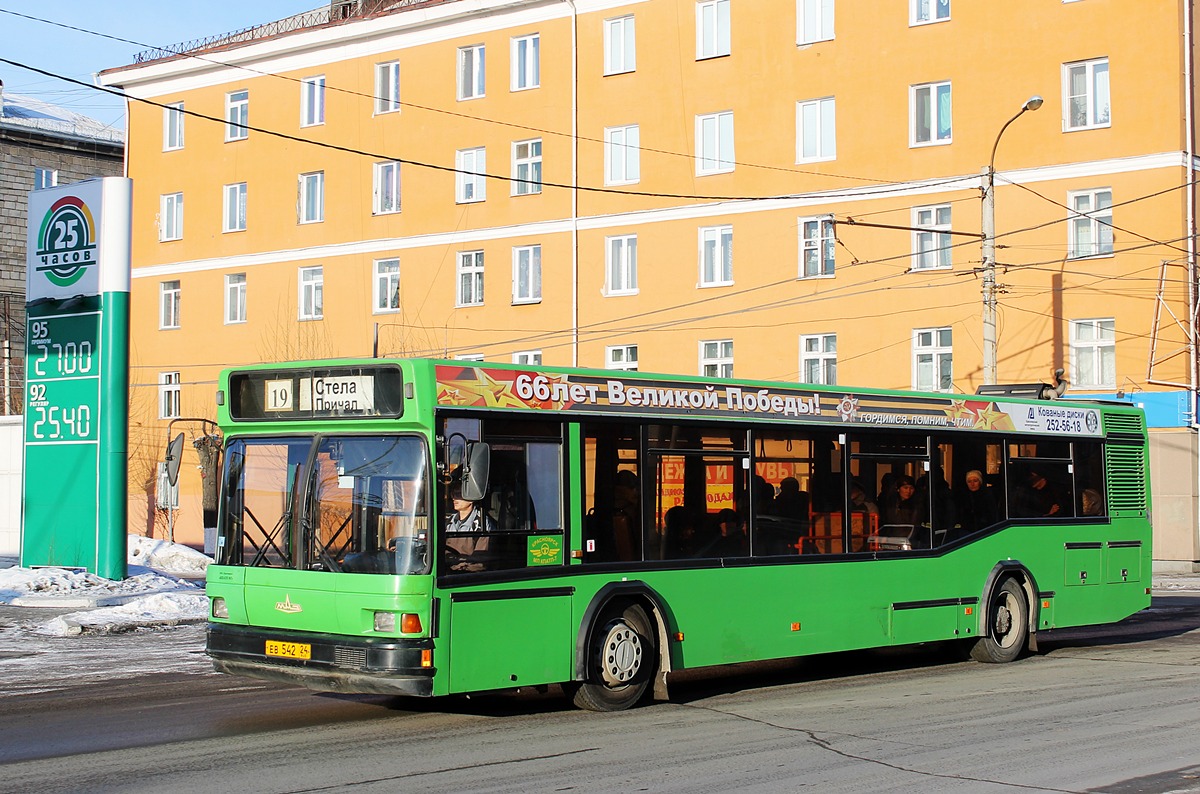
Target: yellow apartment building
(780,189)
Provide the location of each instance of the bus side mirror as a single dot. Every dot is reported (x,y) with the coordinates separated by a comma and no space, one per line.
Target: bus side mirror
(477,462)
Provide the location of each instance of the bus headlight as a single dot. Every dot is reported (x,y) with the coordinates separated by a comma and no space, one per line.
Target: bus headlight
(219,608)
(385,622)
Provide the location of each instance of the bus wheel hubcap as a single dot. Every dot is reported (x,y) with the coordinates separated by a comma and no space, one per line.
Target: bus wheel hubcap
(1003,620)
(620,655)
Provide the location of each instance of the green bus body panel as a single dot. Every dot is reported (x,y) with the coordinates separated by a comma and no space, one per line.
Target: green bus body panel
(509,643)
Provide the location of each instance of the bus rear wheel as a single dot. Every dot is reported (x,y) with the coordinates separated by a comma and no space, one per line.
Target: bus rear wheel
(621,660)
(1007,625)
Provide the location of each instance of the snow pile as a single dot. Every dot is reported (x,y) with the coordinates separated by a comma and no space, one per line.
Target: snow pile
(169,557)
(16,583)
(160,610)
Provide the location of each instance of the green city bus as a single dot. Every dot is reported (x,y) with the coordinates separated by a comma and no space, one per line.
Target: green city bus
(423,527)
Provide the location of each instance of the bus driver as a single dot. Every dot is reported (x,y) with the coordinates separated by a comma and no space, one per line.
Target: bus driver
(467,530)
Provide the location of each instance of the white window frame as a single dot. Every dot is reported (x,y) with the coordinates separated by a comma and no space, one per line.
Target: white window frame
(173,126)
(311,293)
(387,87)
(1099,347)
(928,12)
(386,286)
(312,101)
(44,178)
(385,193)
(170,298)
(620,265)
(716,256)
(237,115)
(712,29)
(527,167)
(311,210)
(169,392)
(529,358)
(235,298)
(622,155)
(716,358)
(931,347)
(916,118)
(1097,109)
(814,21)
(526,69)
(816,238)
(470,184)
(233,207)
(714,143)
(468,289)
(472,72)
(620,45)
(816,130)
(469,357)
(621,357)
(1097,223)
(819,353)
(931,245)
(527,274)
(170,217)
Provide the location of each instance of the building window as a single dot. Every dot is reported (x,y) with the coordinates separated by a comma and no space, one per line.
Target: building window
(712,28)
(312,293)
(237,115)
(312,197)
(170,217)
(166,495)
(930,113)
(621,267)
(470,278)
(44,178)
(387,188)
(1085,94)
(933,359)
(469,357)
(527,167)
(387,286)
(312,101)
(814,21)
(168,304)
(168,395)
(714,143)
(1090,223)
(623,357)
(233,211)
(619,49)
(387,87)
(1093,353)
(815,130)
(527,274)
(716,358)
(470,72)
(526,68)
(235,298)
(818,359)
(931,245)
(716,256)
(816,247)
(622,155)
(530,358)
(173,126)
(470,183)
(922,12)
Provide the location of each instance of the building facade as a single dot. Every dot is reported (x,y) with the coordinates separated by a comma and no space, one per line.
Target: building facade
(780,189)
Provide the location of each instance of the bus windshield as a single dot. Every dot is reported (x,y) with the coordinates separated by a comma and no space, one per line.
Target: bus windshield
(353,504)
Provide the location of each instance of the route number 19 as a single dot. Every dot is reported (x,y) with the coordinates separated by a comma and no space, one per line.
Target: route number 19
(280,396)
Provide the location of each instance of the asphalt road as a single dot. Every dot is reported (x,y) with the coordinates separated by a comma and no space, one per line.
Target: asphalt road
(1110,709)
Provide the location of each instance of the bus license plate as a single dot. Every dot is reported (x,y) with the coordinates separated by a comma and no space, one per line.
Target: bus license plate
(289,650)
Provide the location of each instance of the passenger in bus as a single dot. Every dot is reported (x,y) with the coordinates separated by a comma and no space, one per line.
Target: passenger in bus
(679,533)
(731,540)
(977,507)
(468,529)
(905,507)
(859,502)
(1037,497)
(1091,502)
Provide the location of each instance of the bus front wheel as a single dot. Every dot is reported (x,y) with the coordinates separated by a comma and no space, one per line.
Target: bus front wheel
(621,660)
(1007,625)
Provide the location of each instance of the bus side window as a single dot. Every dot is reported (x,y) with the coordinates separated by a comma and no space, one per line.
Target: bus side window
(1089,479)
(612,494)
(1039,480)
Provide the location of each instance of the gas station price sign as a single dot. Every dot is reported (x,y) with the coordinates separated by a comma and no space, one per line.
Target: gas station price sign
(63,378)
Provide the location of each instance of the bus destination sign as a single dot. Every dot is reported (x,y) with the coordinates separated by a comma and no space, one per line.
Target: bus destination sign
(292,394)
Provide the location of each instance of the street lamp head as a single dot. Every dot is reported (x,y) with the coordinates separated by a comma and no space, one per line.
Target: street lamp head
(1033,103)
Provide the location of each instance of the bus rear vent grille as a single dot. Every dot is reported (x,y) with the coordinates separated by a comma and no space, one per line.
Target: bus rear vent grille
(349,657)
(1126,479)
(1125,423)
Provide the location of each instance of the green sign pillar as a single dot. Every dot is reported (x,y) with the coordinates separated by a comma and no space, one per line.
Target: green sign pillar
(77,377)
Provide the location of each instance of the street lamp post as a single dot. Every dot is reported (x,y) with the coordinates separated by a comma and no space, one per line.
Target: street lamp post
(989,249)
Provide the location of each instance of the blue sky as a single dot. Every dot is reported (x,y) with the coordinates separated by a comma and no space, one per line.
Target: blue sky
(78,54)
